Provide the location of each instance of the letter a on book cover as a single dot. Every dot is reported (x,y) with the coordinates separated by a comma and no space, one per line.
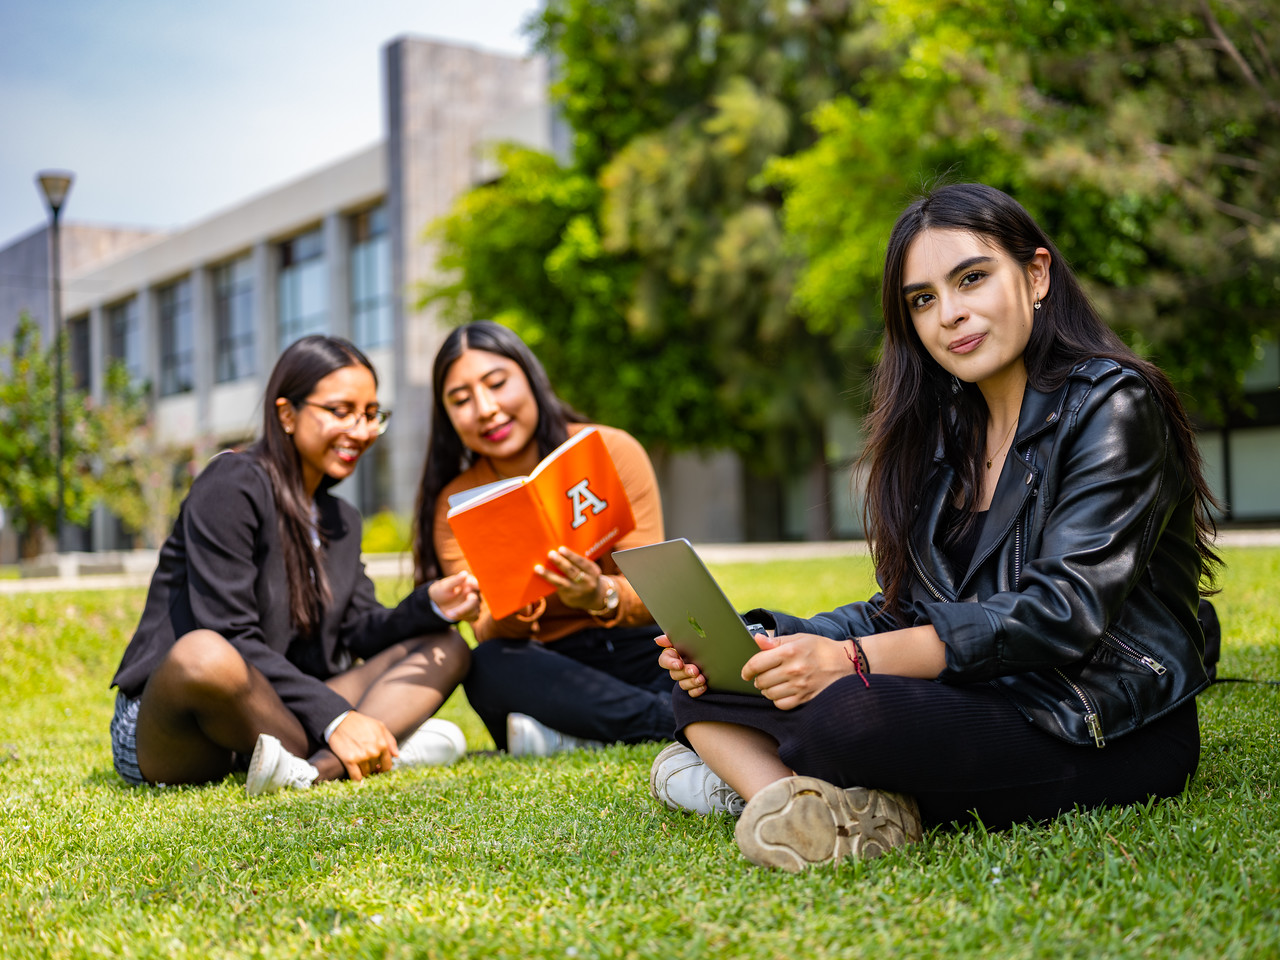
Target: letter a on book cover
(573,498)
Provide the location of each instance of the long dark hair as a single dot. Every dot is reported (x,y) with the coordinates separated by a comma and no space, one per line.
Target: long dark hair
(917,406)
(447,456)
(303,364)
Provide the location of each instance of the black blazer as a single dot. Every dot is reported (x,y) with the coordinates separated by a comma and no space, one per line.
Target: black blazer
(222,569)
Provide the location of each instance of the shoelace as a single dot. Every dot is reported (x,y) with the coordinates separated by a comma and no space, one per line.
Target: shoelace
(722,795)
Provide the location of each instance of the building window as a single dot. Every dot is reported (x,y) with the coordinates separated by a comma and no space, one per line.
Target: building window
(371,278)
(177,339)
(233,321)
(304,300)
(124,336)
(78,353)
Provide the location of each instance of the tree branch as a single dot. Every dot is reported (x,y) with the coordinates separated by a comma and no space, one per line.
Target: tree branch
(1225,159)
(1224,42)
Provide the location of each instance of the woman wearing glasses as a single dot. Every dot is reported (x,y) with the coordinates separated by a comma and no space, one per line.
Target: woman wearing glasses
(261,636)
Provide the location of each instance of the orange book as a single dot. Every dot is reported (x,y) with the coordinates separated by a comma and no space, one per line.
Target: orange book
(574,498)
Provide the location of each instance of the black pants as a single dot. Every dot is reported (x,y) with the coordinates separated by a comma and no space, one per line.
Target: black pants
(600,684)
(959,750)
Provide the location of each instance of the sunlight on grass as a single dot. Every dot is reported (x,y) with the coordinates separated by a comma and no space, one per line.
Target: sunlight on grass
(568,857)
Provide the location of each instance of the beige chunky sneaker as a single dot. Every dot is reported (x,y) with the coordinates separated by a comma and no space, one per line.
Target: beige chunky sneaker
(796,822)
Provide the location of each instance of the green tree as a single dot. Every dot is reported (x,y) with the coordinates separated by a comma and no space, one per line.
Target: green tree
(137,477)
(651,272)
(28,444)
(111,453)
(704,269)
(1145,137)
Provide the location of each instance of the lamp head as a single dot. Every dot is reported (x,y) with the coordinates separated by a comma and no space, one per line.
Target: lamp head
(55,184)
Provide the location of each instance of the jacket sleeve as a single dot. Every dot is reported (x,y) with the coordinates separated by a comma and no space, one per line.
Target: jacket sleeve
(858,619)
(1118,481)
(222,519)
(369,628)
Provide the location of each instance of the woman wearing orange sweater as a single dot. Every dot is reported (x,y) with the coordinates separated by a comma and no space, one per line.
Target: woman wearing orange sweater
(577,667)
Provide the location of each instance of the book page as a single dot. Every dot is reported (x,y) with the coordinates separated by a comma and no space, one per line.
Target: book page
(465,499)
(559,451)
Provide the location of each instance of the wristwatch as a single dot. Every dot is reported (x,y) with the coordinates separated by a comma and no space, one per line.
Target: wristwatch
(611,599)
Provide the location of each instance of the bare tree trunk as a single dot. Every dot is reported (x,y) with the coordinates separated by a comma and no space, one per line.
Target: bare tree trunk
(819,519)
(32,543)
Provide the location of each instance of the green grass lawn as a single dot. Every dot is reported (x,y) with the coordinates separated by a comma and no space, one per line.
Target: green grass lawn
(568,857)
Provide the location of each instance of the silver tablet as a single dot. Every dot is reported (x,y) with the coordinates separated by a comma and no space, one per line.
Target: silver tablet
(692,611)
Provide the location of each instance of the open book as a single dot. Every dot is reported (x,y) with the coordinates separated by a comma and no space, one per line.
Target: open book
(573,498)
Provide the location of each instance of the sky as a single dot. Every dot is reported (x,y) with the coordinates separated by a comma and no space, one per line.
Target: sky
(168,111)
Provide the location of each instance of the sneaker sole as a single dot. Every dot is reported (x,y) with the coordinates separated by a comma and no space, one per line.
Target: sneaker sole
(797,822)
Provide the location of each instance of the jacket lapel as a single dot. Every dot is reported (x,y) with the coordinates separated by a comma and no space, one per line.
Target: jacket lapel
(1019,477)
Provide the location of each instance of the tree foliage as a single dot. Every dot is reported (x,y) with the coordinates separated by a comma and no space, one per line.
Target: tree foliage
(651,273)
(1144,135)
(141,479)
(28,441)
(704,269)
(110,453)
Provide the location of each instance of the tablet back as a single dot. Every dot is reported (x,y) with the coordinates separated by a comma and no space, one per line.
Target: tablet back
(692,610)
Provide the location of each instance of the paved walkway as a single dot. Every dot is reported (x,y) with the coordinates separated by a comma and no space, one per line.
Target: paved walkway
(392,565)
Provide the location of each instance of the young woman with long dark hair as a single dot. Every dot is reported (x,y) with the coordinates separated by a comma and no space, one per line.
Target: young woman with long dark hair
(576,668)
(261,640)
(1041,532)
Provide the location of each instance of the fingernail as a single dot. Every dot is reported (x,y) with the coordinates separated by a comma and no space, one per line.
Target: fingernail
(539,569)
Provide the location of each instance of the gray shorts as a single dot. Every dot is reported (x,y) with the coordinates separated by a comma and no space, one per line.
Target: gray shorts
(124,739)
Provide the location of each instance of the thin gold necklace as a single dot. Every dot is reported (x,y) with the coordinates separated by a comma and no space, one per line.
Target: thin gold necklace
(992,459)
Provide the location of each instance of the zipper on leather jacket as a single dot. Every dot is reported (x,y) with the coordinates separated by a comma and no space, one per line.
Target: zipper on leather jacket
(1017,555)
(1017,529)
(1091,719)
(1151,663)
(928,584)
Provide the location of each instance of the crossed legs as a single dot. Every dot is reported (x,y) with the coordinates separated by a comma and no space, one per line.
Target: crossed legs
(205,703)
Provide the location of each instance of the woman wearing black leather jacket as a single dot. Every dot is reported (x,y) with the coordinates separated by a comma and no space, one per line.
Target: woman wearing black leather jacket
(1041,533)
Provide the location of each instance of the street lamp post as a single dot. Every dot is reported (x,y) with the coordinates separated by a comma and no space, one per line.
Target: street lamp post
(55,185)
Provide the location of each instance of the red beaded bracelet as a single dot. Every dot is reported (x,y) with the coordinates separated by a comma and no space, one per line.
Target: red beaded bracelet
(860,666)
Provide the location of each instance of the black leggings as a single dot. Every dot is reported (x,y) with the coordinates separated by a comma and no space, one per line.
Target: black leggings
(960,751)
(599,684)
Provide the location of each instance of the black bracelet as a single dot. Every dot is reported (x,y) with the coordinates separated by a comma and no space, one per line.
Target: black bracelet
(860,665)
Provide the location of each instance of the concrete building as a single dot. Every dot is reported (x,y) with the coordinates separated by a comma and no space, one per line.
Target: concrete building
(201,313)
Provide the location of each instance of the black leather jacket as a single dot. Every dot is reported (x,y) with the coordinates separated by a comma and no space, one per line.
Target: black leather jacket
(1080,602)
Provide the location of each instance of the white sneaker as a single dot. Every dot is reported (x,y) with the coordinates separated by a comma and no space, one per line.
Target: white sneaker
(679,780)
(526,737)
(272,768)
(434,744)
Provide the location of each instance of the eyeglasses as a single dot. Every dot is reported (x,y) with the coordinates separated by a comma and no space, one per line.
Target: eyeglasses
(350,419)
